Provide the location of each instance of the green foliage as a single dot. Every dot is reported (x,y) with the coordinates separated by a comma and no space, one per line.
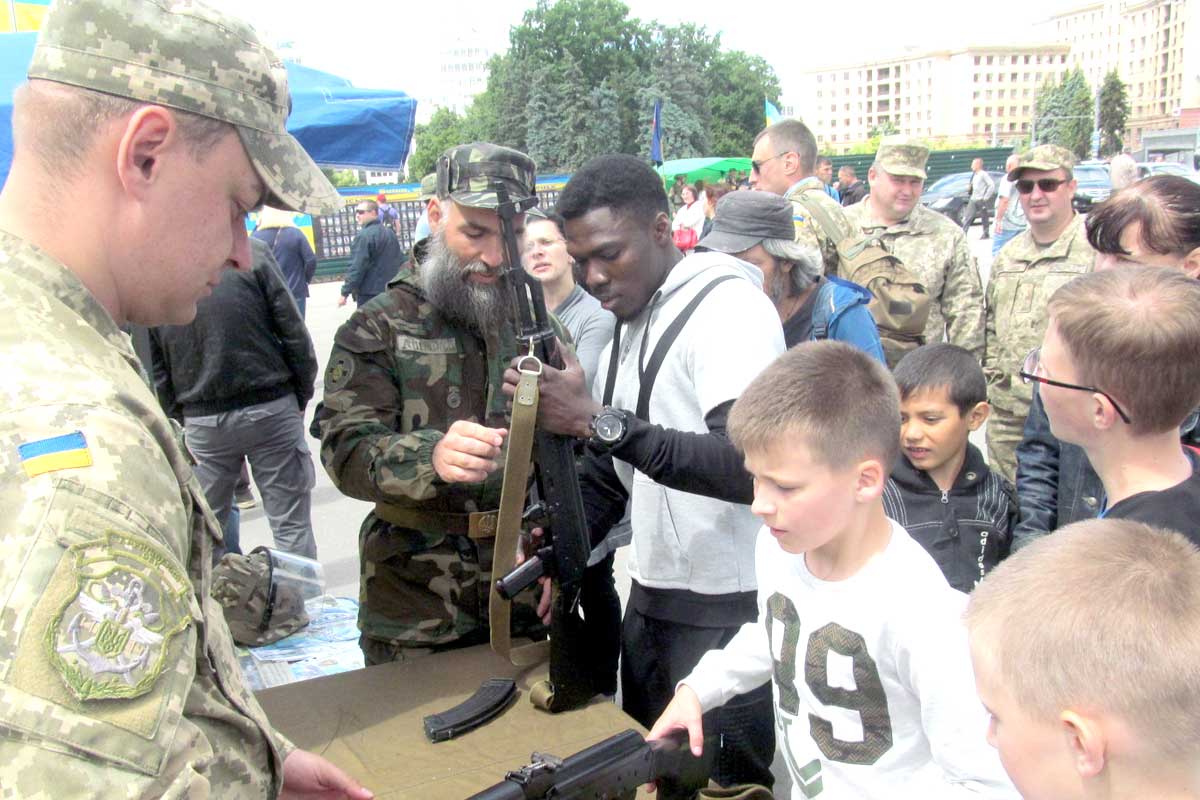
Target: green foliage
(444,130)
(1065,114)
(1114,113)
(580,79)
(342,177)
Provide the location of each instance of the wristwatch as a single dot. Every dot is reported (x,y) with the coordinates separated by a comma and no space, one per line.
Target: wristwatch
(608,426)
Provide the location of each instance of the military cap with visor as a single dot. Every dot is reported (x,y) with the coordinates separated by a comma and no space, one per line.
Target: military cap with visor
(902,156)
(744,219)
(469,174)
(1045,158)
(187,56)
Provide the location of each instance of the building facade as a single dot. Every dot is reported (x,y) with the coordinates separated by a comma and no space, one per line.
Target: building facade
(981,93)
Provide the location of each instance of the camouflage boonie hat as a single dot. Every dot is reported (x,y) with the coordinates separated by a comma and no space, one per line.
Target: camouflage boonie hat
(469,173)
(902,155)
(190,57)
(1045,157)
(257,609)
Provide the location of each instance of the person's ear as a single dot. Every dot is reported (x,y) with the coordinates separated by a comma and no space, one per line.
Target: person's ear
(661,229)
(437,214)
(1191,263)
(1104,413)
(1086,742)
(872,477)
(148,136)
(978,415)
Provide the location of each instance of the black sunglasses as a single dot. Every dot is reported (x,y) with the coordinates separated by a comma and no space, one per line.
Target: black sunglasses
(756,166)
(1029,374)
(1047,185)
(362,211)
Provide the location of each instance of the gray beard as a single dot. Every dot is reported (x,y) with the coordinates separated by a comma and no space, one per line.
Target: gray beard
(479,307)
(779,286)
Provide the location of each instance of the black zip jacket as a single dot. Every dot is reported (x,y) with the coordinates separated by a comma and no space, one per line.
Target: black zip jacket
(248,345)
(967,530)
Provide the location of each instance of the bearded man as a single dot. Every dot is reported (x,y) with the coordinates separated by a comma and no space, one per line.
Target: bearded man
(413,418)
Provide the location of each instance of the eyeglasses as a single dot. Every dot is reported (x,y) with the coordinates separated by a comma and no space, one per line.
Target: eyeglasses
(1033,362)
(1047,185)
(535,244)
(756,166)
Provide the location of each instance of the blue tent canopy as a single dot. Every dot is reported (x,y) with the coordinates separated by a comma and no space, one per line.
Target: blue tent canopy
(338,124)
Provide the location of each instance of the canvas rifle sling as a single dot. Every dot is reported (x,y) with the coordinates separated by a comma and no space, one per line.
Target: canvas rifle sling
(512,507)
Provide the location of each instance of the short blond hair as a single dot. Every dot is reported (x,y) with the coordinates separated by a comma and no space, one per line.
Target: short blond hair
(840,400)
(1101,616)
(1134,332)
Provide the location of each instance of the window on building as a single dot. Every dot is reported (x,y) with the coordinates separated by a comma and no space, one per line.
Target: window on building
(989,60)
(977,61)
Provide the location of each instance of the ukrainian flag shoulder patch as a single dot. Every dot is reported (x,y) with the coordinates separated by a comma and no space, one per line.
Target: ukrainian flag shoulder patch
(59,452)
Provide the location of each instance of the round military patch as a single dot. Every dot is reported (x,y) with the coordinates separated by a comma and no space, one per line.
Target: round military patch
(109,639)
(339,371)
(453,397)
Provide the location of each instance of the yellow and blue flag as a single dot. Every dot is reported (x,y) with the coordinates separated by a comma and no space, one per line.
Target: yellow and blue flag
(60,452)
(771,112)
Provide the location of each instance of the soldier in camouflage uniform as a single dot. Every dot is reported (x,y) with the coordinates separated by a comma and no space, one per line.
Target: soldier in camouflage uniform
(926,242)
(784,163)
(165,123)
(414,418)
(1027,271)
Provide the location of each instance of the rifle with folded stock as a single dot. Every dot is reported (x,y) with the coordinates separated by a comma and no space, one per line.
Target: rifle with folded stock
(610,770)
(556,504)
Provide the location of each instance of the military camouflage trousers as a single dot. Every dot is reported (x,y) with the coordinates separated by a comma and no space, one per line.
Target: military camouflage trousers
(428,591)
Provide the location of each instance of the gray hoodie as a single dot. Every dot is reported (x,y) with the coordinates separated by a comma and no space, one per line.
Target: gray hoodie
(683,540)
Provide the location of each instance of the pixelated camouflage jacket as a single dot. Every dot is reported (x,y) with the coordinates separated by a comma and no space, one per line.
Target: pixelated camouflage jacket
(1024,276)
(936,250)
(808,230)
(117,672)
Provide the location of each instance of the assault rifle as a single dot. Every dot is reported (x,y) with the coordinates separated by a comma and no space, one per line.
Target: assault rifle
(611,769)
(557,506)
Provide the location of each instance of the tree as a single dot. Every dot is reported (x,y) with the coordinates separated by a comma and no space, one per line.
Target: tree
(444,130)
(1064,113)
(1114,112)
(737,86)
(342,177)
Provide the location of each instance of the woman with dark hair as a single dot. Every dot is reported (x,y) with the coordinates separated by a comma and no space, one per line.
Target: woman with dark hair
(1154,222)
(689,220)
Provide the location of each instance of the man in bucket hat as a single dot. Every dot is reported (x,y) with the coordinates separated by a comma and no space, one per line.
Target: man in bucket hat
(413,418)
(757,227)
(1052,251)
(164,124)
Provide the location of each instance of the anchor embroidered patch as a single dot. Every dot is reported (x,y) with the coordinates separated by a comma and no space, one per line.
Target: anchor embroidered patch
(110,639)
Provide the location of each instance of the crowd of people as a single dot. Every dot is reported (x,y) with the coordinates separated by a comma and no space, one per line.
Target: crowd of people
(771,393)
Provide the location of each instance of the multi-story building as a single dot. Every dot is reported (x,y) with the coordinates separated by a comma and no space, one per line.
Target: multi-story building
(978,92)
(1155,47)
(462,73)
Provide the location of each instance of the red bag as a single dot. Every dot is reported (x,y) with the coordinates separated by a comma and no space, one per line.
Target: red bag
(685,238)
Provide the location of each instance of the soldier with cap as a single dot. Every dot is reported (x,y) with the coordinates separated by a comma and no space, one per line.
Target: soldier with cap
(784,162)
(414,419)
(926,242)
(1026,272)
(166,124)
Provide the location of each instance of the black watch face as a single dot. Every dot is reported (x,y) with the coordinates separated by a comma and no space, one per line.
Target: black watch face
(609,427)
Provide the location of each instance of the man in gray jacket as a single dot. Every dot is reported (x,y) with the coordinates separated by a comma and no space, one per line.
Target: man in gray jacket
(655,425)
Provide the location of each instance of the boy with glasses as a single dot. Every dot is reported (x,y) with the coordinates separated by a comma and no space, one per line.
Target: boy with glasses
(1026,272)
(1117,369)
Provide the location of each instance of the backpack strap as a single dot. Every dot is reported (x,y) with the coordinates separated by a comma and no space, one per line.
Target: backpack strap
(650,373)
(664,344)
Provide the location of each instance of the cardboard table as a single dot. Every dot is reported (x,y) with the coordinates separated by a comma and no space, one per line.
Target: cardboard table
(368,722)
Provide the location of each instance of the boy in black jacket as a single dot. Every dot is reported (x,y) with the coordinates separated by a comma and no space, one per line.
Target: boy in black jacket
(941,489)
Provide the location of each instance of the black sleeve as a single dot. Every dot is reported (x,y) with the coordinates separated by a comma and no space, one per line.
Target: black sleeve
(295,344)
(160,370)
(701,463)
(1037,477)
(604,496)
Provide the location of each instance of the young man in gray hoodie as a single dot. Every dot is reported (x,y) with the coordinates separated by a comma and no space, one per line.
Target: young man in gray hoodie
(654,419)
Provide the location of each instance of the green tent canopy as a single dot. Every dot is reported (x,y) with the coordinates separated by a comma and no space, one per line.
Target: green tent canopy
(705,169)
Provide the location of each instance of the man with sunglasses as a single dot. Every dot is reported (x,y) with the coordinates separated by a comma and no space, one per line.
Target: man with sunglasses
(375,256)
(785,163)
(1025,273)
(1117,376)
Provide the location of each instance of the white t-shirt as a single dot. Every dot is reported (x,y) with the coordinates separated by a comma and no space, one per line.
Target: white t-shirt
(874,693)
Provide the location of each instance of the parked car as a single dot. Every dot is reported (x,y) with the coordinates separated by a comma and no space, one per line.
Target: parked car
(949,195)
(1148,168)
(1093,185)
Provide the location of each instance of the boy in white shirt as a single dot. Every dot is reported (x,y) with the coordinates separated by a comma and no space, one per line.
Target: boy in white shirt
(857,627)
